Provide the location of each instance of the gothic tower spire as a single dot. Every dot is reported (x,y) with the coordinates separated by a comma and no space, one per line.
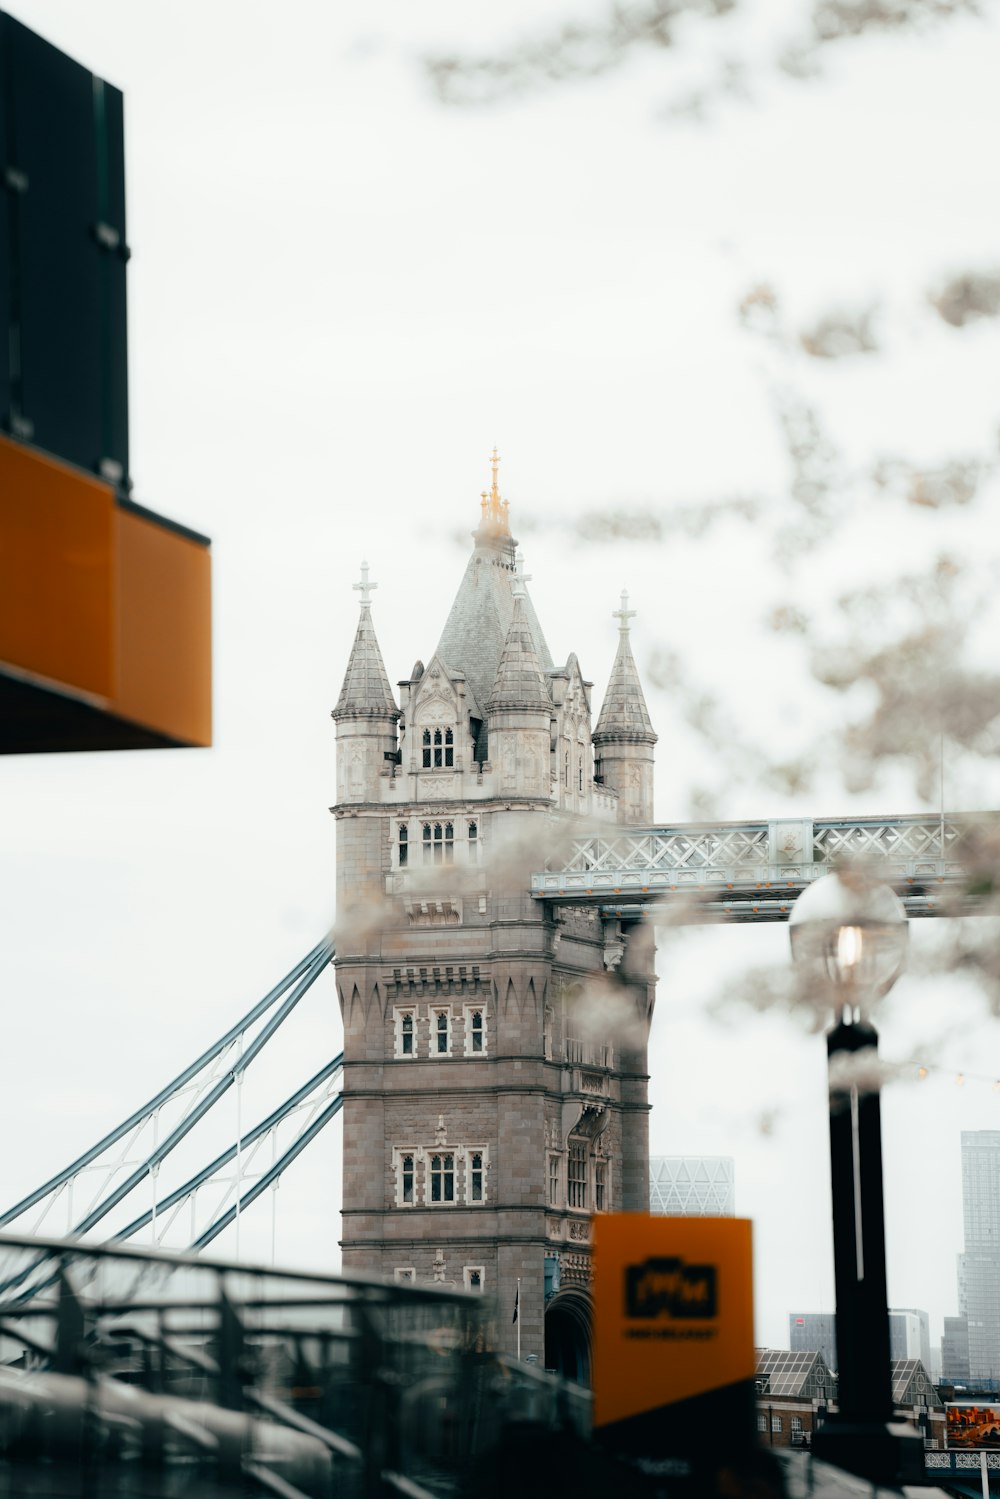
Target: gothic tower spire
(624,737)
(366,691)
(366,717)
(475,631)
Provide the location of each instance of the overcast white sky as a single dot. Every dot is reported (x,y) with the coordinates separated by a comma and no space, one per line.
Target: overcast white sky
(342,295)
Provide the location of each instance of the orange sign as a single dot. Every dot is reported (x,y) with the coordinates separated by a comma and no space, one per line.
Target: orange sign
(105,616)
(673,1312)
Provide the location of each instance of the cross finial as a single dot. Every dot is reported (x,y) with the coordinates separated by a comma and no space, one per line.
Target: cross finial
(495,510)
(364,587)
(624,614)
(520,576)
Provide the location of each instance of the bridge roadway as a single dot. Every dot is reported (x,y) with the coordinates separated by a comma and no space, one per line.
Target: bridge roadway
(753,871)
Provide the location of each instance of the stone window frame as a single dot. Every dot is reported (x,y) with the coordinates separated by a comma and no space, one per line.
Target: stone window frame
(437,747)
(602,1183)
(577,1183)
(468,1271)
(399,1154)
(554,1180)
(437,841)
(402,845)
(467,1152)
(473,840)
(398,1012)
(468,1011)
(434,1051)
(442,1153)
(405,1275)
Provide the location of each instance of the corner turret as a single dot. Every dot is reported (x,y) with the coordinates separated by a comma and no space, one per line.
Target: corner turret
(519,710)
(366,713)
(624,737)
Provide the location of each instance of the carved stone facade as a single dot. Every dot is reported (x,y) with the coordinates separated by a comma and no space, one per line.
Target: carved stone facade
(495,1088)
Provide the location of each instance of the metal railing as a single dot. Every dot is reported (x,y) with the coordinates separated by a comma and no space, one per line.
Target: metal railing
(123,1370)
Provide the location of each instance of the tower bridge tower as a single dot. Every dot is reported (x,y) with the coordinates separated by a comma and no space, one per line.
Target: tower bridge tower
(495,1084)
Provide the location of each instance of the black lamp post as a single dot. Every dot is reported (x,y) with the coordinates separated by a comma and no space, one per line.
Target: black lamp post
(848,936)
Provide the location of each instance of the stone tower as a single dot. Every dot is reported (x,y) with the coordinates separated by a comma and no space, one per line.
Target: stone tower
(495,1087)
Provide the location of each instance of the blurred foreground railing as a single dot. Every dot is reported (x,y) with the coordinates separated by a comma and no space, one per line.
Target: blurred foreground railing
(129,1372)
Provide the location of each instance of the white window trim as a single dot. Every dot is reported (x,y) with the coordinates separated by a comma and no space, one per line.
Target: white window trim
(467,1152)
(398,1152)
(467,1013)
(428,1197)
(405,1275)
(467,1273)
(397,1014)
(434,1012)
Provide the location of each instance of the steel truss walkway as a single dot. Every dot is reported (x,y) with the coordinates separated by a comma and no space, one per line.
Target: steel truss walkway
(753,871)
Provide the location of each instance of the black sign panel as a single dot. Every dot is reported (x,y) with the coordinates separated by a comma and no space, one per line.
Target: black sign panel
(63,351)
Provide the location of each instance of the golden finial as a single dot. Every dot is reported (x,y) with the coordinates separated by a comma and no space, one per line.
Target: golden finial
(495,510)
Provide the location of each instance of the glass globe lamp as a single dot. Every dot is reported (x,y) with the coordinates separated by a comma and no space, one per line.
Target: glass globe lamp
(849,936)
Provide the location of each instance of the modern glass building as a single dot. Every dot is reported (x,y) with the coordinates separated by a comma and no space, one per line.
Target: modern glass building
(816,1332)
(702,1186)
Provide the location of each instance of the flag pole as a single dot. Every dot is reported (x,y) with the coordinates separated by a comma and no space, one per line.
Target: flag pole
(518,1305)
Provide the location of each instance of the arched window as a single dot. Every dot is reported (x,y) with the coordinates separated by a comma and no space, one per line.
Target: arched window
(442,1037)
(406,1035)
(476,1176)
(576,1175)
(407,1170)
(443,1178)
(439,842)
(476,1030)
(473,842)
(600,1185)
(438,749)
(404,847)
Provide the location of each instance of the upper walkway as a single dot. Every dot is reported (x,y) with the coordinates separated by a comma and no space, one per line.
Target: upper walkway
(753,871)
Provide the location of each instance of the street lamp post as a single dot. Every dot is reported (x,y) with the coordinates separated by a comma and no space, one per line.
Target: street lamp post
(848,936)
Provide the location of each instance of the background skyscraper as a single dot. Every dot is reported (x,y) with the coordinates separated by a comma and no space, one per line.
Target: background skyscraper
(979,1266)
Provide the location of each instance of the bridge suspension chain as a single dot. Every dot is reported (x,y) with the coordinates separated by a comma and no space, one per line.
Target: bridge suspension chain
(199,1088)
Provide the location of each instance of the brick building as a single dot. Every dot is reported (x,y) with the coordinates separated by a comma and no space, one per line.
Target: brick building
(495,1087)
(796,1393)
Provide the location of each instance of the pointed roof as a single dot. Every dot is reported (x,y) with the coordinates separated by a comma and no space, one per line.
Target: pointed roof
(519,681)
(475,632)
(366,692)
(624,715)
